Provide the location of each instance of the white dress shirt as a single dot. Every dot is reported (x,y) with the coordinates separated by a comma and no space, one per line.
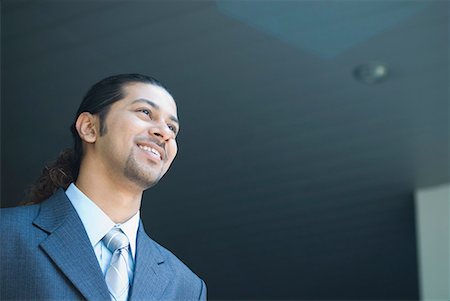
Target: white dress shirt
(97,224)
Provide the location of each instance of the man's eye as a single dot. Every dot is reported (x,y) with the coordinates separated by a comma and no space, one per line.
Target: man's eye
(146,112)
(172,128)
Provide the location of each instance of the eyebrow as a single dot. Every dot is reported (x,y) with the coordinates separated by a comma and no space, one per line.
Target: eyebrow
(154,105)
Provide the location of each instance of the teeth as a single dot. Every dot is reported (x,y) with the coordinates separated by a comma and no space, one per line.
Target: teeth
(146,148)
(150,149)
(156,152)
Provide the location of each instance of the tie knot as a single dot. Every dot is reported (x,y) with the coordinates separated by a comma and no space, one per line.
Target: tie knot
(115,240)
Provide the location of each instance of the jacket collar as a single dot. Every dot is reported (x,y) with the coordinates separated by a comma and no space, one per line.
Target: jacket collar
(69,247)
(152,274)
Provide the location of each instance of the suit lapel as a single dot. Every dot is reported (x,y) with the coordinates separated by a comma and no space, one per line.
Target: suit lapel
(69,247)
(151,275)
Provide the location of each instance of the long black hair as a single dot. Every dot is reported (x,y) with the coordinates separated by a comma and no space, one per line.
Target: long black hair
(64,170)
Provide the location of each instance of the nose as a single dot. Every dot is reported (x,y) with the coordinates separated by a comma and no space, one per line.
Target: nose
(161,131)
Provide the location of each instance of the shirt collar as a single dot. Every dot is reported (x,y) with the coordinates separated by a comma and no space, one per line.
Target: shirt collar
(96,223)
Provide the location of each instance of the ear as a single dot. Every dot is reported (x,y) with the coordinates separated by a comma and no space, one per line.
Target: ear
(86,126)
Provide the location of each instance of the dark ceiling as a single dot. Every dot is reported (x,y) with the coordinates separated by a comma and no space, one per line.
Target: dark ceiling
(293,180)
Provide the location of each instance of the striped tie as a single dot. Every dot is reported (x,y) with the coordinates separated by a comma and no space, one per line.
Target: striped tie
(117,273)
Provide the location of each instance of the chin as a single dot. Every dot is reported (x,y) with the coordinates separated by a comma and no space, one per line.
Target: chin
(150,183)
(143,184)
(143,176)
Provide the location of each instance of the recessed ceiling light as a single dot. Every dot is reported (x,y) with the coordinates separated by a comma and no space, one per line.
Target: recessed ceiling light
(371,72)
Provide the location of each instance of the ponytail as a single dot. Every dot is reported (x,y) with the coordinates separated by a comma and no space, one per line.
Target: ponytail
(58,174)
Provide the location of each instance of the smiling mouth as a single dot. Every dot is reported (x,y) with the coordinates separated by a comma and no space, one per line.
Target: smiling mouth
(151,151)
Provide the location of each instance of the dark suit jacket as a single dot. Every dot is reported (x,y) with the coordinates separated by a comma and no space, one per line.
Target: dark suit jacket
(46,255)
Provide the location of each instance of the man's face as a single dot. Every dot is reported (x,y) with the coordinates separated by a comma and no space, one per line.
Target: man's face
(139,143)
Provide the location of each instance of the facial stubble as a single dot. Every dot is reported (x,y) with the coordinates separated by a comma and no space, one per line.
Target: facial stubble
(138,175)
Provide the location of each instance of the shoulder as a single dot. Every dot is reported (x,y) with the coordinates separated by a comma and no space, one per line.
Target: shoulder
(184,276)
(16,224)
(16,216)
(179,266)
(152,249)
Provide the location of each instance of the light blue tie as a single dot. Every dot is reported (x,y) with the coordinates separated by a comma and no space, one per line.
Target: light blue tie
(116,276)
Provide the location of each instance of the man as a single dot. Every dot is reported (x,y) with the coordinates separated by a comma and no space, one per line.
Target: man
(82,237)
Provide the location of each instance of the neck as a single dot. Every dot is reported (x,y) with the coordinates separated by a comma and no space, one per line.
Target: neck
(118,200)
